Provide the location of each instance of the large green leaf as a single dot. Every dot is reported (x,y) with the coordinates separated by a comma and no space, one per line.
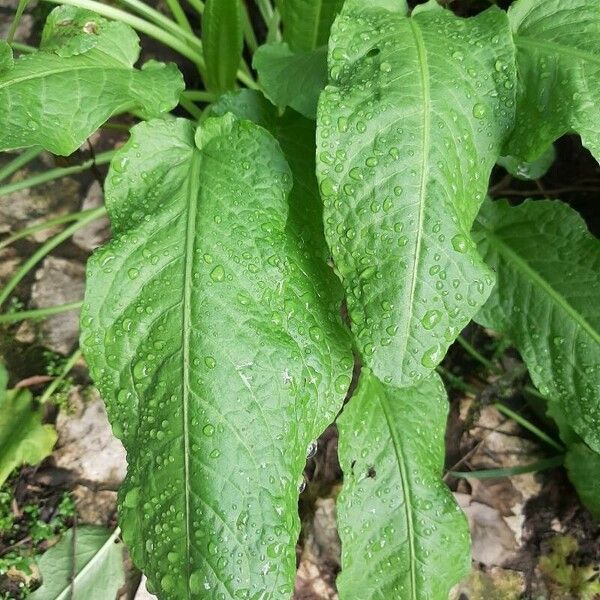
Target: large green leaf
(86,563)
(404,157)
(403,536)
(82,74)
(292,79)
(23,438)
(219,359)
(546,301)
(558,54)
(223,42)
(583,468)
(306,23)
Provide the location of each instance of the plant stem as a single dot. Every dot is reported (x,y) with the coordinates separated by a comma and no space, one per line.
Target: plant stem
(56,382)
(45,249)
(248,31)
(190,107)
(23,48)
(540,465)
(45,225)
(197,5)
(20,161)
(16,20)
(159,19)
(523,422)
(199,96)
(51,174)
(38,313)
(179,15)
(476,355)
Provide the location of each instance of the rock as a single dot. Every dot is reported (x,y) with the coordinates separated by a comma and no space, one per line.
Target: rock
(86,445)
(493,541)
(32,206)
(58,281)
(96,233)
(95,507)
(143,593)
(319,559)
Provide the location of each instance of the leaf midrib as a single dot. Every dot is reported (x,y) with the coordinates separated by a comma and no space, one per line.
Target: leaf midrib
(408,508)
(537,278)
(70,589)
(424,75)
(192,194)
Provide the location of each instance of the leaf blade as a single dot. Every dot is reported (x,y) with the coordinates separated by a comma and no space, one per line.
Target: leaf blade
(82,74)
(86,562)
(397,217)
(393,496)
(558,60)
(23,437)
(256,396)
(551,318)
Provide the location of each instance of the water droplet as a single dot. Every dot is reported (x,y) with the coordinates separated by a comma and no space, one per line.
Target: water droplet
(479,110)
(218,273)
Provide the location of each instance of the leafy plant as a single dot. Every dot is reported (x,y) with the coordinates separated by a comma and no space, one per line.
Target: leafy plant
(212,321)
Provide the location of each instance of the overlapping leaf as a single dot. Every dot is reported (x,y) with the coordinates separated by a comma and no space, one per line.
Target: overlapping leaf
(306,23)
(402,534)
(404,157)
(546,301)
(23,437)
(558,55)
(82,74)
(86,563)
(292,79)
(217,356)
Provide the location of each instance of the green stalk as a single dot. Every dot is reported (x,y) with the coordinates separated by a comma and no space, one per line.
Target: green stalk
(45,249)
(17,19)
(51,174)
(164,22)
(199,96)
(56,382)
(38,313)
(197,5)
(476,355)
(248,31)
(540,465)
(179,15)
(23,48)
(190,107)
(20,161)
(528,425)
(45,225)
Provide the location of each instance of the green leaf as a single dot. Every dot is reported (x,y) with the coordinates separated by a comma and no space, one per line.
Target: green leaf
(223,42)
(23,438)
(306,23)
(403,165)
(402,534)
(86,563)
(558,54)
(583,468)
(81,76)
(292,79)
(247,104)
(546,301)
(527,171)
(6,57)
(219,358)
